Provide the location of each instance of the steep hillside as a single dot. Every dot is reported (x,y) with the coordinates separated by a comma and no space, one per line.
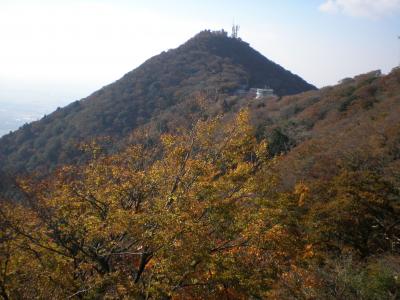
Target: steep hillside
(211,61)
(354,125)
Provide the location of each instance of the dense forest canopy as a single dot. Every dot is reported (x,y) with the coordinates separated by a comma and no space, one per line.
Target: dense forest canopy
(202,215)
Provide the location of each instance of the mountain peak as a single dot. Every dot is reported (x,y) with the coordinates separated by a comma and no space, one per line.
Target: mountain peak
(260,70)
(210,35)
(210,61)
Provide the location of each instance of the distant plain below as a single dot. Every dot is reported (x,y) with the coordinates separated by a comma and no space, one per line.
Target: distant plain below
(13,116)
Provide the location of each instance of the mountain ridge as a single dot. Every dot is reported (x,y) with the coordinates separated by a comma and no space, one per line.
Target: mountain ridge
(209,61)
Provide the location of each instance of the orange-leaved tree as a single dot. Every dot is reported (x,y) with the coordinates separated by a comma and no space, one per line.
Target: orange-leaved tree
(197,217)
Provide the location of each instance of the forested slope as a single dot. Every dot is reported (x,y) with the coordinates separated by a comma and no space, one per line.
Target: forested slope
(352,125)
(202,215)
(210,62)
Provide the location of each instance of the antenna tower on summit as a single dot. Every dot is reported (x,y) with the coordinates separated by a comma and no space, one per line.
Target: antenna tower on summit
(235,30)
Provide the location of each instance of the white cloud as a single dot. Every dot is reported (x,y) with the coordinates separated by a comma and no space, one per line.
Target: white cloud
(374,9)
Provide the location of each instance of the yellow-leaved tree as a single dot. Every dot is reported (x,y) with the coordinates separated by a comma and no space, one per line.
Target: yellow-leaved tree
(195,218)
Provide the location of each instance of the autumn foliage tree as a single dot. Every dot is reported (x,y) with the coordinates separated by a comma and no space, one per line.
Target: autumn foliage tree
(201,216)
(194,222)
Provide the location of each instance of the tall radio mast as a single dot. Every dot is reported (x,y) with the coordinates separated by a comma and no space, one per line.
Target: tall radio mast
(235,30)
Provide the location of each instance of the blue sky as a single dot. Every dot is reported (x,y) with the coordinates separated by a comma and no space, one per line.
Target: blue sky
(58,51)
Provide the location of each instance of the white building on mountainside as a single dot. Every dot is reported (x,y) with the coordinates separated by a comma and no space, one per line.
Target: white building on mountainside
(267,92)
(261,93)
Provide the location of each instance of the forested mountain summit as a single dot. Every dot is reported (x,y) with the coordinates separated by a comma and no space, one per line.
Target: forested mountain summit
(210,61)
